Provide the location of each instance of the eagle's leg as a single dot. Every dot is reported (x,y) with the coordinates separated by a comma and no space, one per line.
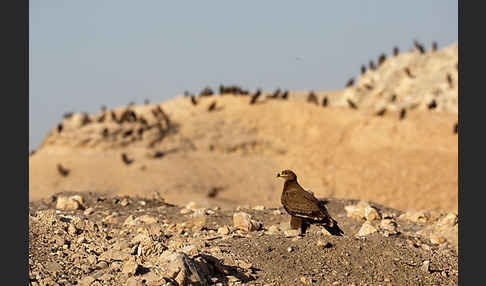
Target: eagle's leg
(304,227)
(295,222)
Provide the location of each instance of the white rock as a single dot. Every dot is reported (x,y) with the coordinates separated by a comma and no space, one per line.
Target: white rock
(244,222)
(366,229)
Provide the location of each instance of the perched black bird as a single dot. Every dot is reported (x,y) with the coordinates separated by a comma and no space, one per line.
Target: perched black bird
(101,118)
(352,104)
(193,100)
(368,86)
(432,104)
(128,116)
(350,82)
(67,115)
(213,192)
(363,69)
(255,96)
(113,117)
(371,65)
(403,112)
(212,106)
(324,101)
(396,51)
(381,112)
(275,94)
(449,80)
(105,133)
(393,98)
(63,171)
(409,73)
(159,154)
(207,91)
(285,95)
(381,59)
(127,133)
(434,46)
(126,160)
(86,119)
(419,46)
(59,128)
(312,98)
(456,128)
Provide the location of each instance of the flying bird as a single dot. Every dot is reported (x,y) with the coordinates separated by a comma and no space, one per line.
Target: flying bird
(303,207)
(63,171)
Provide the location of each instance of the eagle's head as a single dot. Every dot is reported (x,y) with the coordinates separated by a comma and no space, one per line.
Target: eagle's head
(287,175)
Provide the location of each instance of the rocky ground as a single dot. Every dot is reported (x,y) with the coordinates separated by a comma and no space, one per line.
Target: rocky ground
(184,191)
(99,239)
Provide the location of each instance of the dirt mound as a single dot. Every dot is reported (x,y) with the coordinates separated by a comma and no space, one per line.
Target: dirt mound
(97,239)
(186,151)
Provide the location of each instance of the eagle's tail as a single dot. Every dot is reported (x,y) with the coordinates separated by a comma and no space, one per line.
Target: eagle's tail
(333,228)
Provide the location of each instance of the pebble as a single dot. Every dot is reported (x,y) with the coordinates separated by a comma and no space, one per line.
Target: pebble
(243,221)
(291,232)
(425,266)
(124,202)
(69,203)
(224,230)
(148,219)
(277,212)
(290,249)
(88,211)
(130,266)
(259,208)
(437,239)
(366,229)
(273,229)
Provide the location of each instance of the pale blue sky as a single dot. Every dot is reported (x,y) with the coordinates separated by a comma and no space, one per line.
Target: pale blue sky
(87,53)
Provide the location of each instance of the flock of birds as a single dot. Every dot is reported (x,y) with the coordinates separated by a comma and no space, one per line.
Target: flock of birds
(312,97)
(164,126)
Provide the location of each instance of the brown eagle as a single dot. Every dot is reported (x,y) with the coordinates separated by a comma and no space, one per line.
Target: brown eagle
(304,209)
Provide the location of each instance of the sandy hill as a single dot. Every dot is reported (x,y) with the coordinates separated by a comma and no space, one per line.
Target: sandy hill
(230,156)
